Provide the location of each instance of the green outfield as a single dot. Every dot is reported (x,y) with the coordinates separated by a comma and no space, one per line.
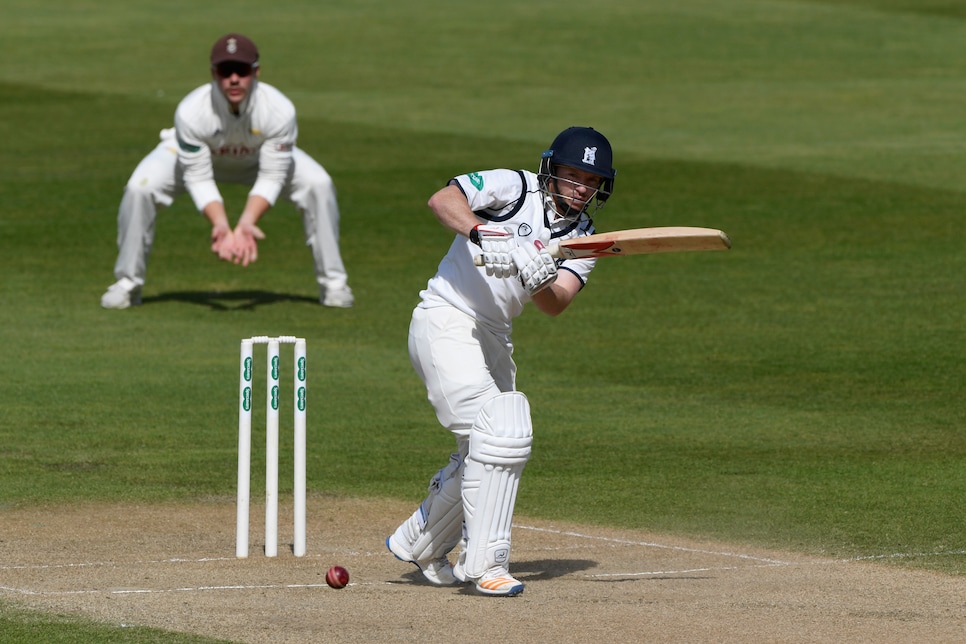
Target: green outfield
(803,391)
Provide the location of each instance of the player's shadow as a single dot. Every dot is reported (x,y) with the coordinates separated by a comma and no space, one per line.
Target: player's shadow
(228,300)
(525,570)
(539,569)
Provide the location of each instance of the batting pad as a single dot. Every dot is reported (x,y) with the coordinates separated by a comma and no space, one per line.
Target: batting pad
(500,441)
(437,525)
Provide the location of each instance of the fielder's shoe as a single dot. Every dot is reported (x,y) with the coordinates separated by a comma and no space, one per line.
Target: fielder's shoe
(438,571)
(337,297)
(121,294)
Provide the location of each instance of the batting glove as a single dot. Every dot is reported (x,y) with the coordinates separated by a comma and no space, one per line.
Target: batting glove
(536,266)
(497,243)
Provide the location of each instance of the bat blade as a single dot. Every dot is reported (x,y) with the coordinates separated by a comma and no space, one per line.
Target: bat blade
(638,241)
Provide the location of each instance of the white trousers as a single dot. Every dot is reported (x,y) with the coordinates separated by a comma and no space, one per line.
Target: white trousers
(157,182)
(462,364)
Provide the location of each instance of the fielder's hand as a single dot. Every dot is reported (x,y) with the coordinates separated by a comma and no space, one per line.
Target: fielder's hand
(246,243)
(222,242)
(497,243)
(537,268)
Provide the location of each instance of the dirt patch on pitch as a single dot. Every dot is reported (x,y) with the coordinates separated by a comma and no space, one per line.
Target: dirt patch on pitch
(173,567)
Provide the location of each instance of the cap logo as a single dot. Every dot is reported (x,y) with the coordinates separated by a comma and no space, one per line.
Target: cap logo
(232,46)
(590,156)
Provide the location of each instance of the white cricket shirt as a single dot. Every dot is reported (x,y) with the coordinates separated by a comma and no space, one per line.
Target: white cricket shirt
(255,145)
(505,198)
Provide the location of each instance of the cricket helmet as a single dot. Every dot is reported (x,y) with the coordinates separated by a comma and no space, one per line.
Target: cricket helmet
(583,148)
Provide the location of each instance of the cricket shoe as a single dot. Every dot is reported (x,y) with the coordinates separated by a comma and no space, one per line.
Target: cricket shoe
(495,582)
(122,294)
(438,571)
(340,298)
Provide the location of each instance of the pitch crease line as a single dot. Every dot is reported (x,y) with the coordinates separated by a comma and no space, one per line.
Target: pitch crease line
(648,544)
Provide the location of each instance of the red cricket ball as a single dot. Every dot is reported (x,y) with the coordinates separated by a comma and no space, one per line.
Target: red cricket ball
(337,577)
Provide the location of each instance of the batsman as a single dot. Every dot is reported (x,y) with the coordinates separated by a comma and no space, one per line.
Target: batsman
(460,346)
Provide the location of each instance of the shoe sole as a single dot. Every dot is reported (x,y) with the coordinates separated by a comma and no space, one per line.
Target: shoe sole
(512,592)
(134,300)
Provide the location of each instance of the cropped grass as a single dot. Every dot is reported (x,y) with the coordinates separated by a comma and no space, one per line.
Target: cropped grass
(19,626)
(802,391)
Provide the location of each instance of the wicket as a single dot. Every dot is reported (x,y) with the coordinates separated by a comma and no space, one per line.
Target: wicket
(245,401)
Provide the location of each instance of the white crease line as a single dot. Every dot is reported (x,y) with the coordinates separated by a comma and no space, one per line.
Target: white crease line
(154,591)
(904,555)
(96,564)
(648,544)
(118,564)
(660,572)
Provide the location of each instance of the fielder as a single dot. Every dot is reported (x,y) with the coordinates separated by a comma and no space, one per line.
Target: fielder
(460,346)
(234,129)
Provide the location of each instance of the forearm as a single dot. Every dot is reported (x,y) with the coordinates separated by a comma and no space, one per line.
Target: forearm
(555,299)
(214,211)
(451,209)
(255,207)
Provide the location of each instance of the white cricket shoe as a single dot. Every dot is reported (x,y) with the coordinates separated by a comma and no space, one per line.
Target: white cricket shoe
(438,571)
(121,294)
(341,297)
(498,582)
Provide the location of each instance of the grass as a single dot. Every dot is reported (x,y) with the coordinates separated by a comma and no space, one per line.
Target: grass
(802,391)
(22,626)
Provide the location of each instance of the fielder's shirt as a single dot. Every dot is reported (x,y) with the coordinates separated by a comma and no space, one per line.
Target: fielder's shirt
(254,145)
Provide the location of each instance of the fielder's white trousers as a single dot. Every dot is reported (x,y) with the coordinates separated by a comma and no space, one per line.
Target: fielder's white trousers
(462,363)
(157,181)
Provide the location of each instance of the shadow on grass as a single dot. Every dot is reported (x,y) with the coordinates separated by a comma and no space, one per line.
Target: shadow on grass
(228,300)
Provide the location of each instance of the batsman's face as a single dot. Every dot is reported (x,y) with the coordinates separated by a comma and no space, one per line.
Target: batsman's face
(235,80)
(576,187)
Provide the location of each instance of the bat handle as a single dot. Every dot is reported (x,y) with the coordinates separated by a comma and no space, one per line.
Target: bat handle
(553,248)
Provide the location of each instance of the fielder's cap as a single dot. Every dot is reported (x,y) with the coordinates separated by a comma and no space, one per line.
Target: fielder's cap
(235,48)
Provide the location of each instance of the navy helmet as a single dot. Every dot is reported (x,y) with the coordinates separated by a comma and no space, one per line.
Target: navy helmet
(583,148)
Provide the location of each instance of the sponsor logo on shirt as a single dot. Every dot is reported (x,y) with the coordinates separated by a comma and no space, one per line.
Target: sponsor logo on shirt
(234,151)
(476,179)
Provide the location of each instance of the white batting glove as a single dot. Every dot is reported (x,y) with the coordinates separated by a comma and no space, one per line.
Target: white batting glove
(497,243)
(536,266)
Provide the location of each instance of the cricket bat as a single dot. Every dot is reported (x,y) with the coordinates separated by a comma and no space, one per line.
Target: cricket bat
(638,241)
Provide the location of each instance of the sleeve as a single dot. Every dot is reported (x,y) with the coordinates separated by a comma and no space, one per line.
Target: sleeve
(275,157)
(195,157)
(493,194)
